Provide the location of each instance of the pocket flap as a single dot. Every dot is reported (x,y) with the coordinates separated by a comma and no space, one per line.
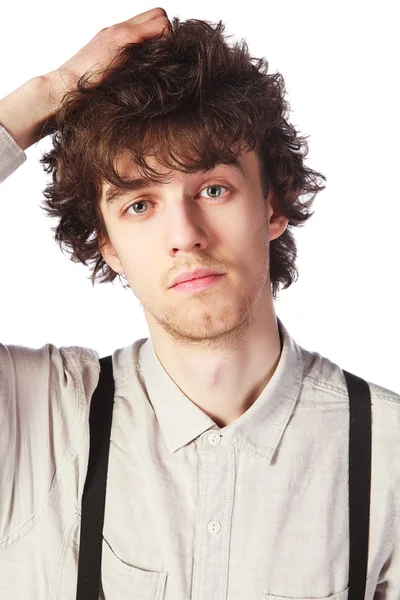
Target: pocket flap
(121,581)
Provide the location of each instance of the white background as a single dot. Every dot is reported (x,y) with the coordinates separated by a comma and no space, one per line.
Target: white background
(340,64)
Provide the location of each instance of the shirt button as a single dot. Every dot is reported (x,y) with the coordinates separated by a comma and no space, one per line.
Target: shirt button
(214,526)
(214,438)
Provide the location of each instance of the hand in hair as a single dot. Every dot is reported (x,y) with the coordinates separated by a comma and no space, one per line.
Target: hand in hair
(26,111)
(99,52)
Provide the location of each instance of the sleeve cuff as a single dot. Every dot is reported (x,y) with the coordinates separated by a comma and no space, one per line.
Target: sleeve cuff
(11,155)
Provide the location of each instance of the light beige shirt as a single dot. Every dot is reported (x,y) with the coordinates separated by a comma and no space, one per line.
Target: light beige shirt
(11,155)
(256,510)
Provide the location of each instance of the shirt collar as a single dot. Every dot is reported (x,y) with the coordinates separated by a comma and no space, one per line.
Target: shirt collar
(257,431)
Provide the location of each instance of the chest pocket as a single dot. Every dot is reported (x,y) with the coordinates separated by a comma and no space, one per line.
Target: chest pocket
(121,581)
(338,596)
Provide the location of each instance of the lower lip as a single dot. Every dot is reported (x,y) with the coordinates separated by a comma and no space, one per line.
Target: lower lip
(194,285)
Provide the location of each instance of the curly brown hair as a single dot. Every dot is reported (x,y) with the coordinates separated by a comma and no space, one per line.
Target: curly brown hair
(191,100)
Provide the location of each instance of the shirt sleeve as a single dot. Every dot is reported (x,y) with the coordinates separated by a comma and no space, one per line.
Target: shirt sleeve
(11,155)
(389,578)
(45,398)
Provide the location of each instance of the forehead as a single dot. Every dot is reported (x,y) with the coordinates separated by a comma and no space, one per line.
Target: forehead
(245,166)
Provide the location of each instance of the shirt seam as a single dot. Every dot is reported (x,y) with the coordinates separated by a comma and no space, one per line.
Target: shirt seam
(344,393)
(126,374)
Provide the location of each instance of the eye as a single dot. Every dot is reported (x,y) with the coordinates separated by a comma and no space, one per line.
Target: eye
(133,204)
(216,190)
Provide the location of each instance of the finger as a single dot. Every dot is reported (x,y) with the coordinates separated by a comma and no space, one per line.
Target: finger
(146,16)
(151,28)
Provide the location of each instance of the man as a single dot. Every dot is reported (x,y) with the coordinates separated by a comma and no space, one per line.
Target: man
(227,474)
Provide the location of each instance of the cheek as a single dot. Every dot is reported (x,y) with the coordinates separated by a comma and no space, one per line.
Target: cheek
(125,244)
(141,268)
(249,231)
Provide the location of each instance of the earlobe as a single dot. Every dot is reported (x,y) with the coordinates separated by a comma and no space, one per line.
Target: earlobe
(277,220)
(111,257)
(277,226)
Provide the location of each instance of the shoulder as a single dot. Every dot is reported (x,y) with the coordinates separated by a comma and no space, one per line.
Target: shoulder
(327,378)
(24,369)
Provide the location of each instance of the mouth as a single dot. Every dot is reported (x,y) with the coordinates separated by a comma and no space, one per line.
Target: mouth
(199,283)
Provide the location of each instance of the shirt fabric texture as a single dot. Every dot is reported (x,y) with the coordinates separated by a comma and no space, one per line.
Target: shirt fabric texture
(254,510)
(11,155)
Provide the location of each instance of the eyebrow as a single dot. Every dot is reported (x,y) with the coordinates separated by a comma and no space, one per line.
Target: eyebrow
(114,192)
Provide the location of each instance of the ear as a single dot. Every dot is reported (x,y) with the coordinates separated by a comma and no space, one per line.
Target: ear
(110,256)
(277,222)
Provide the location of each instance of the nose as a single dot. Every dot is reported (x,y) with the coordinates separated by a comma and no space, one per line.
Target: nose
(186,228)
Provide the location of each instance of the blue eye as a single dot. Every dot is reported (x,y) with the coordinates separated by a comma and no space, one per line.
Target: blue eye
(137,202)
(216,189)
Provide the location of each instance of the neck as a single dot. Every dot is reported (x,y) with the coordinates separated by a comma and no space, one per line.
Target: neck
(225,380)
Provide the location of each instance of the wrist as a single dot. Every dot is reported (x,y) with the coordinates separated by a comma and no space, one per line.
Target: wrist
(24,112)
(55,85)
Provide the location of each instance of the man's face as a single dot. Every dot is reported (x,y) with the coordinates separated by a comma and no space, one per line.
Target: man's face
(218,220)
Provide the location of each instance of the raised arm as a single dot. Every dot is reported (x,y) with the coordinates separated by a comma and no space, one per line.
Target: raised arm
(24,112)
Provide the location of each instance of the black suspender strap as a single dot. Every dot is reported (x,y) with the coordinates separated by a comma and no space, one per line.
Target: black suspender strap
(94,493)
(360,435)
(93,500)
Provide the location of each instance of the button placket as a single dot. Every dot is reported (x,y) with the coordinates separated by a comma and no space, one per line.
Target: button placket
(217,471)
